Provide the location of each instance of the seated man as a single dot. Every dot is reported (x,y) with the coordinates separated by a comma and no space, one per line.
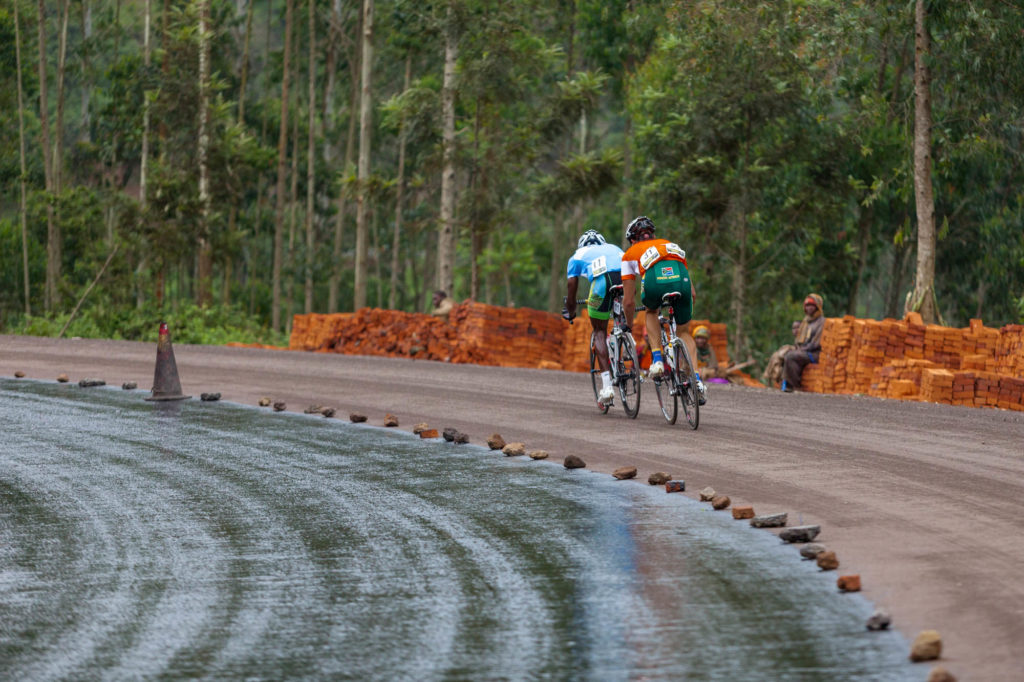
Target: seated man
(808,344)
(442,304)
(707,361)
(600,263)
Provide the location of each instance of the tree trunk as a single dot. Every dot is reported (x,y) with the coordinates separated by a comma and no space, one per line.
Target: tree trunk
(52,236)
(204,295)
(165,70)
(289,256)
(282,171)
(242,86)
(489,278)
(310,166)
(922,299)
(339,221)
(375,232)
(627,177)
(365,114)
(333,36)
(21,157)
(144,161)
(446,229)
(475,236)
(85,135)
(58,133)
(233,213)
(739,286)
(557,270)
(863,244)
(396,236)
(117,29)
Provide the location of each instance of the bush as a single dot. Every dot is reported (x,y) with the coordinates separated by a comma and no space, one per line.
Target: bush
(214,325)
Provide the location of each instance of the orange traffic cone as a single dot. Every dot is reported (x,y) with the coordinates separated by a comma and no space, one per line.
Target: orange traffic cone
(166,385)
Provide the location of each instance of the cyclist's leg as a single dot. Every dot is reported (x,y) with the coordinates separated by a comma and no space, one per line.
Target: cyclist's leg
(661,278)
(599,305)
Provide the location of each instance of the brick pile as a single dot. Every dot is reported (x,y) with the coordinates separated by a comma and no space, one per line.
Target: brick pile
(475,333)
(977,365)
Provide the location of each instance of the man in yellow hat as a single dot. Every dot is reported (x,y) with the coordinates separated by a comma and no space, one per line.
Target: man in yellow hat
(707,361)
(808,343)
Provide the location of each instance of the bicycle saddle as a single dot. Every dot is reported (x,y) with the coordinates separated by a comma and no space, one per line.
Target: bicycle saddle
(615,289)
(671,297)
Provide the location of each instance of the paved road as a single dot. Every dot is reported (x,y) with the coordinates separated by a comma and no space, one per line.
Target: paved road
(923,501)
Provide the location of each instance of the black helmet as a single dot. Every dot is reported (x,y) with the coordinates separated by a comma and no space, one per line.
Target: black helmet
(590,238)
(640,224)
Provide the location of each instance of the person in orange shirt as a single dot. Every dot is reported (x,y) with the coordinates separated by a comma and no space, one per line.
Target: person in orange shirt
(660,266)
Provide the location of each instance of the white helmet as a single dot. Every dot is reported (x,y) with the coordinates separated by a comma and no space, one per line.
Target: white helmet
(590,238)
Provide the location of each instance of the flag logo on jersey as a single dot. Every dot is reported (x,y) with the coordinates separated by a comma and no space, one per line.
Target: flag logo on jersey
(667,273)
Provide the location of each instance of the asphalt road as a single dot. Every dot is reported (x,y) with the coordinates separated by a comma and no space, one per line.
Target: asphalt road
(923,501)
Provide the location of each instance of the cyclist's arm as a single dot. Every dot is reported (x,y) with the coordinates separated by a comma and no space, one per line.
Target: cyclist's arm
(570,302)
(630,271)
(629,299)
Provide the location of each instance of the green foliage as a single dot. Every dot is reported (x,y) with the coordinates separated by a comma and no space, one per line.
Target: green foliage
(771,139)
(215,325)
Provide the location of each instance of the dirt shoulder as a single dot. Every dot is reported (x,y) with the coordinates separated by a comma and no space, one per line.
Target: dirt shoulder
(922,500)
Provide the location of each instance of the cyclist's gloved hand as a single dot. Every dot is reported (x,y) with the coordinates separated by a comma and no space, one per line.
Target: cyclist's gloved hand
(626,328)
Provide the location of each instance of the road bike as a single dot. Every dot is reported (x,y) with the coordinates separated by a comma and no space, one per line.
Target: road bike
(624,363)
(679,382)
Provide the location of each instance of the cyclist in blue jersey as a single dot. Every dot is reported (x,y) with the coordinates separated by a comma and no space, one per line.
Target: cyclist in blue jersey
(600,262)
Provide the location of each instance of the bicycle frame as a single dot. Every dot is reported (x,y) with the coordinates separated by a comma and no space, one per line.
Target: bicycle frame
(682,381)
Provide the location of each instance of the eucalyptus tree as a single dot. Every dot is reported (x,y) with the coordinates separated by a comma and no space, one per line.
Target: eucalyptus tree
(23,176)
(205,275)
(242,90)
(282,171)
(351,53)
(365,141)
(52,231)
(310,157)
(922,298)
(446,218)
(735,157)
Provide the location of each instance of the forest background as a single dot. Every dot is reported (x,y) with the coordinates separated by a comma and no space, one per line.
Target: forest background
(226,164)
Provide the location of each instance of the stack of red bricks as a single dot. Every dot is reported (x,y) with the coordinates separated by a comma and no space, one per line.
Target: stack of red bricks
(474,333)
(906,359)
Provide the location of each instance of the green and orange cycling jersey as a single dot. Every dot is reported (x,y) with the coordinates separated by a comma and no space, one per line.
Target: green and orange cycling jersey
(639,258)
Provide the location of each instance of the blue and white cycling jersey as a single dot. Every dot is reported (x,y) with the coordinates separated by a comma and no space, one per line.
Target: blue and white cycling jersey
(593,262)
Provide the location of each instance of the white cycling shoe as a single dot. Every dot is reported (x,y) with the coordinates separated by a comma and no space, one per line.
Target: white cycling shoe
(657,370)
(702,392)
(606,395)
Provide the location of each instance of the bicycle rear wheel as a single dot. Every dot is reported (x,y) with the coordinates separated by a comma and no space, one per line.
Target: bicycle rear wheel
(687,384)
(628,378)
(663,387)
(595,378)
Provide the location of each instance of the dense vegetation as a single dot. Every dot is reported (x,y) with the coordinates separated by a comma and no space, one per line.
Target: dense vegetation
(466,143)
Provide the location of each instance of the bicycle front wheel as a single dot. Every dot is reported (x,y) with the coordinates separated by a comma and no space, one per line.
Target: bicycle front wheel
(595,378)
(687,383)
(628,378)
